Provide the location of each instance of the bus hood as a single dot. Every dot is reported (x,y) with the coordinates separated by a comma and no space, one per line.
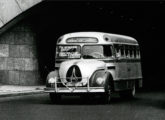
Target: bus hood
(79,69)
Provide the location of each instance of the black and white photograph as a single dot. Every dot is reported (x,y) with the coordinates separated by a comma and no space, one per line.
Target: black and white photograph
(82,60)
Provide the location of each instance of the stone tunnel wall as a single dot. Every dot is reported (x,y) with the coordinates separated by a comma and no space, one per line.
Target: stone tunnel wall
(18,56)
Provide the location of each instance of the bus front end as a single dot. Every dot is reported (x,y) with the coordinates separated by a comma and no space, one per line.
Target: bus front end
(77,76)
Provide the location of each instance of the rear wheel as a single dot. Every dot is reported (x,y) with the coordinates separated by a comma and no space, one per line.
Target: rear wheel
(55,98)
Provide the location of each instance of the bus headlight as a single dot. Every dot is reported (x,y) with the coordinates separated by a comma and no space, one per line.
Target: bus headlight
(99,80)
(52,80)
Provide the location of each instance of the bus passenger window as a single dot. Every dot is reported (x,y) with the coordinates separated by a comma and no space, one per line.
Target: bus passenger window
(122,51)
(138,52)
(107,50)
(131,51)
(117,50)
(127,51)
(134,51)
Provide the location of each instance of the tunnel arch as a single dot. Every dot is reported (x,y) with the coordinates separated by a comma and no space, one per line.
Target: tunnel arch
(25,57)
(9,9)
(44,23)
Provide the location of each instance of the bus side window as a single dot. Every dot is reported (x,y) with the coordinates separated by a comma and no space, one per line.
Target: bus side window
(131,51)
(134,52)
(107,50)
(138,52)
(127,54)
(122,50)
(117,50)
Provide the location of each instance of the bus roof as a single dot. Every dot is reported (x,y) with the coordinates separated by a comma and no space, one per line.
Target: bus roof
(105,37)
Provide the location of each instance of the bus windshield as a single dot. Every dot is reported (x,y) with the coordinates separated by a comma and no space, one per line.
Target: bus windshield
(87,52)
(96,51)
(68,51)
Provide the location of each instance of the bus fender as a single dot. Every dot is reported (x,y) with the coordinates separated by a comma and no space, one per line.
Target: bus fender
(103,76)
(51,75)
(112,72)
(109,80)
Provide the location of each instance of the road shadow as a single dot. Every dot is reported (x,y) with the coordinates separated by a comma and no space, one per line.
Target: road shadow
(96,100)
(154,99)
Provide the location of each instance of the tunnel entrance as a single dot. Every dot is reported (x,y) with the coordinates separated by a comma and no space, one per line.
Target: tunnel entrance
(52,19)
(47,21)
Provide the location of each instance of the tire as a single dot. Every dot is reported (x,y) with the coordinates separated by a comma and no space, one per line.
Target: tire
(55,98)
(108,89)
(107,95)
(128,93)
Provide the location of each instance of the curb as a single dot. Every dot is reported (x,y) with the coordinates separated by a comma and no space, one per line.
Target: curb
(21,93)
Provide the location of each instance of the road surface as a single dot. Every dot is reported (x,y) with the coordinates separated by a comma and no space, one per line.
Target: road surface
(146,106)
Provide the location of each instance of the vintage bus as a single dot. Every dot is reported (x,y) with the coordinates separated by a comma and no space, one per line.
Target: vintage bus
(95,63)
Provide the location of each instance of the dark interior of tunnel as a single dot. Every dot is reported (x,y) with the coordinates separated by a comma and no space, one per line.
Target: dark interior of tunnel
(141,20)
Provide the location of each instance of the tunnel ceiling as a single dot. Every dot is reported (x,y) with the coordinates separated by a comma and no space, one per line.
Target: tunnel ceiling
(130,18)
(86,16)
(118,17)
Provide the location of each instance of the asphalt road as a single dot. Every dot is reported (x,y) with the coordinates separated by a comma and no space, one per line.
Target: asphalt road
(146,106)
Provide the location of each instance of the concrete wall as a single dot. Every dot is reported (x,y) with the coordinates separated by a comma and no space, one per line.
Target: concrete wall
(11,8)
(18,56)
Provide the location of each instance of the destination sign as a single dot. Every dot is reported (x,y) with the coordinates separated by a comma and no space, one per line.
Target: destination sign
(82,40)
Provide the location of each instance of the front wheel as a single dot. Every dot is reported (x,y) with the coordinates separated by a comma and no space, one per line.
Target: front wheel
(55,98)
(107,95)
(108,87)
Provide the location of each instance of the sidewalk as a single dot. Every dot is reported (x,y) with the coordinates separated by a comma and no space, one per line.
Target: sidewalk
(15,90)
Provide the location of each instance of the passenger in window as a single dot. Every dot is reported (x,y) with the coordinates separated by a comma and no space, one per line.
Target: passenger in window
(118,55)
(117,51)
(127,53)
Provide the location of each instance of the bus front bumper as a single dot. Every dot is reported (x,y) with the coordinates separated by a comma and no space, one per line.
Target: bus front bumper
(75,90)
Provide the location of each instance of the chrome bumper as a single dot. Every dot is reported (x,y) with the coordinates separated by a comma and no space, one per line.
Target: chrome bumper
(75,90)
